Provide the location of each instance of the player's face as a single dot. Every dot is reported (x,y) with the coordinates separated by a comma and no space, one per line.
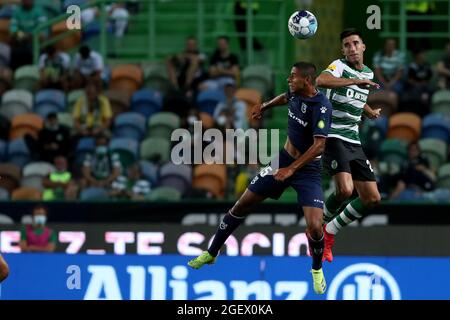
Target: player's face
(295,80)
(353,48)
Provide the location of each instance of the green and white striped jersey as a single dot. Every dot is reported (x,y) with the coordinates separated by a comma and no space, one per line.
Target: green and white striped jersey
(348,102)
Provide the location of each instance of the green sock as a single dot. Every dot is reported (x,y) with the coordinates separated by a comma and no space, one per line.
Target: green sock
(354,210)
(331,207)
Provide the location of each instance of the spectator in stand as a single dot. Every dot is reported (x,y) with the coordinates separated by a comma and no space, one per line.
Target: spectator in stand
(6,77)
(4,269)
(37,237)
(25,18)
(133,187)
(119,16)
(59,184)
(224,65)
(417,175)
(186,68)
(443,68)
(117,12)
(54,69)
(417,90)
(101,168)
(388,66)
(232,110)
(92,113)
(88,67)
(54,139)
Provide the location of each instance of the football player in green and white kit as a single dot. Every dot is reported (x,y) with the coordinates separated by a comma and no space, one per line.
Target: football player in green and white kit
(347,82)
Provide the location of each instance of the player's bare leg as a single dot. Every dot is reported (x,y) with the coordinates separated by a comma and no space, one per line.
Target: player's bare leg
(334,205)
(4,269)
(230,222)
(315,237)
(368,198)
(335,202)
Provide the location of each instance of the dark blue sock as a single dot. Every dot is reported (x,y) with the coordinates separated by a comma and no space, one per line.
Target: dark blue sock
(225,229)
(316,249)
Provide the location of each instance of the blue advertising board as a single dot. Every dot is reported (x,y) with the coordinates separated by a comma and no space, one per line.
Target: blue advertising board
(167,277)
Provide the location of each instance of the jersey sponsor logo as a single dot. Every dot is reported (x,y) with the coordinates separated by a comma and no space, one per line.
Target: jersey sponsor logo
(300,121)
(321,124)
(223,225)
(356,95)
(332,67)
(304,106)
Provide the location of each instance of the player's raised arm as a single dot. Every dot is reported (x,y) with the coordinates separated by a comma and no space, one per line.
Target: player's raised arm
(329,81)
(258,109)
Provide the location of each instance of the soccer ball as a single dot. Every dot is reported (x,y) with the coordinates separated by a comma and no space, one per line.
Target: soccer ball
(302,24)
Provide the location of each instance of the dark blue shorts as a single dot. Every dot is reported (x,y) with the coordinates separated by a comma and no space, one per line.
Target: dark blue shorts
(306,182)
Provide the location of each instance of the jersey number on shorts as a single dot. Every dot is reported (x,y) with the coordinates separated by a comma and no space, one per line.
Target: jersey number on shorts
(265,171)
(370,166)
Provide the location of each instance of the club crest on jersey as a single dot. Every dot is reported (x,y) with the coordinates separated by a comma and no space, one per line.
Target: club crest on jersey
(304,106)
(332,67)
(323,109)
(334,164)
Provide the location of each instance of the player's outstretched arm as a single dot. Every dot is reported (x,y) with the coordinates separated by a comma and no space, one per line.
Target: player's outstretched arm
(372,113)
(258,109)
(327,80)
(314,151)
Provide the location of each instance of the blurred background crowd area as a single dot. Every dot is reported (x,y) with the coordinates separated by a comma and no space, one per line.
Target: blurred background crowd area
(88,114)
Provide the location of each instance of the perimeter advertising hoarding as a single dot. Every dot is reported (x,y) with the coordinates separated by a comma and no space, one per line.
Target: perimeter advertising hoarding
(167,277)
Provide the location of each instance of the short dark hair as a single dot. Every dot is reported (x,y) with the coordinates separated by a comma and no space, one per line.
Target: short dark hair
(350,32)
(85,51)
(40,206)
(306,69)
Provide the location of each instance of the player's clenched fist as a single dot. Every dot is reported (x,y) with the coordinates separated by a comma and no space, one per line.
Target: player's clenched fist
(283,173)
(257,112)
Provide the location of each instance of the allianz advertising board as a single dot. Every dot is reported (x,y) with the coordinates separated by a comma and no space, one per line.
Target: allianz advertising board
(167,277)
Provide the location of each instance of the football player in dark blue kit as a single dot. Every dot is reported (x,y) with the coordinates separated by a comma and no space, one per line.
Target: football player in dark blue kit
(299,166)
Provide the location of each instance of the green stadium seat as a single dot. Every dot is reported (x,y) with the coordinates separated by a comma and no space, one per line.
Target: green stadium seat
(26,77)
(258,77)
(15,102)
(164,194)
(73,96)
(156,150)
(440,102)
(444,176)
(162,124)
(65,119)
(435,150)
(156,78)
(394,151)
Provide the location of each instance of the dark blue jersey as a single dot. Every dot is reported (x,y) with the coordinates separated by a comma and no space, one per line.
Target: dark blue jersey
(307,118)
